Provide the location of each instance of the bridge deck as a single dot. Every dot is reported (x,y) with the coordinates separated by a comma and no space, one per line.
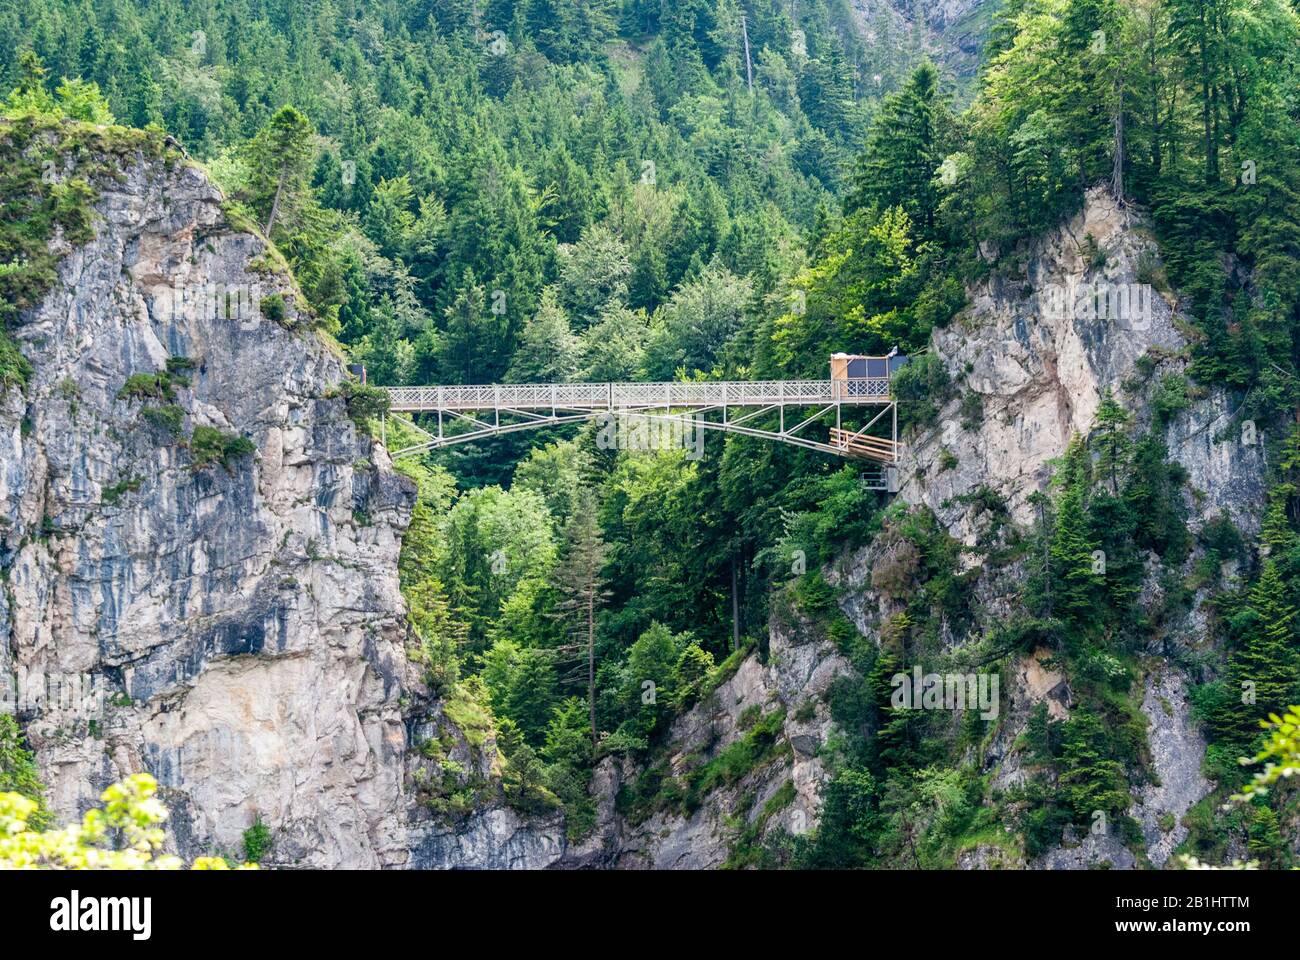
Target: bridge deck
(633,396)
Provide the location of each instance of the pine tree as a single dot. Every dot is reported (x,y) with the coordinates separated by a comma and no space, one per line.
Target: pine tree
(1265,840)
(1277,534)
(31,95)
(1112,421)
(19,772)
(1091,779)
(280,157)
(1262,671)
(903,152)
(442,634)
(548,351)
(530,699)
(469,327)
(893,744)
(580,581)
(650,660)
(1198,29)
(1074,582)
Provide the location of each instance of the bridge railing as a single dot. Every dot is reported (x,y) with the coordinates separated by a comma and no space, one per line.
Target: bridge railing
(609,396)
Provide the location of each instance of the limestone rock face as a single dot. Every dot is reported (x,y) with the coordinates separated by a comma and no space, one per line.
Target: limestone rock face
(780,793)
(1177,749)
(494,838)
(952,32)
(234,629)
(1040,373)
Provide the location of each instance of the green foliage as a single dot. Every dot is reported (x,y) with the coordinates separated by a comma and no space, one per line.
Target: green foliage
(468,708)
(150,386)
(19,774)
(657,790)
(169,417)
(1280,754)
(257,841)
(692,329)
(74,99)
(364,403)
(441,634)
(14,368)
(1170,397)
(208,446)
(1074,582)
(922,387)
(1263,673)
(840,510)
(123,834)
(903,152)
(279,159)
(588,206)
(113,493)
(690,675)
(548,350)
(524,782)
(273,307)
(851,822)
(568,755)
(648,688)
(1092,779)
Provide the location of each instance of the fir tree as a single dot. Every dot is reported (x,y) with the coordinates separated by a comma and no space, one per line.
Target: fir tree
(1074,581)
(581,583)
(1262,671)
(548,350)
(903,153)
(280,157)
(1091,779)
(1112,422)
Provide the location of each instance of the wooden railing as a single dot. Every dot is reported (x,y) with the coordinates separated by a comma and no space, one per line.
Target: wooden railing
(865,445)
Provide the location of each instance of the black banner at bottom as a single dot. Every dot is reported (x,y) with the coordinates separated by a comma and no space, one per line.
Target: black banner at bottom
(144,911)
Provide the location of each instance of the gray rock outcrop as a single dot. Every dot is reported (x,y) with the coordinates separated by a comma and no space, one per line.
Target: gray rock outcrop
(238,625)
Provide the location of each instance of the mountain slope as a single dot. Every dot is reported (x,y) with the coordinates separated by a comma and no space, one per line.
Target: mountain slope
(744,774)
(235,624)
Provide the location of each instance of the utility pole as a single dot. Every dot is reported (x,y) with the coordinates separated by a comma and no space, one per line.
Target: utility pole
(749,66)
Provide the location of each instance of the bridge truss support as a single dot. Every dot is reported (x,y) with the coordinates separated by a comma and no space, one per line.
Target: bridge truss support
(467,414)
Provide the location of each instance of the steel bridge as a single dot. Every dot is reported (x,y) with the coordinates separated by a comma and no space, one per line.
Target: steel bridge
(786,409)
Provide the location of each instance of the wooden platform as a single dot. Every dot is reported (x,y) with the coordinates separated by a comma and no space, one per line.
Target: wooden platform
(865,445)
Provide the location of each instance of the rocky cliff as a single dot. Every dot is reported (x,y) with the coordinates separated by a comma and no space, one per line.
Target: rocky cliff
(196,537)
(743,765)
(198,540)
(952,32)
(1039,375)
(1037,371)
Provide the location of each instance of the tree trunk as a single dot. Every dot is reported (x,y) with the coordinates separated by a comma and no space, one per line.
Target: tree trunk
(1156,132)
(1211,164)
(275,204)
(749,66)
(591,662)
(1117,173)
(735,606)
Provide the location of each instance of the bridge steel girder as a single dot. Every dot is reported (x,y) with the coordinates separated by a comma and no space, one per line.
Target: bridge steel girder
(882,454)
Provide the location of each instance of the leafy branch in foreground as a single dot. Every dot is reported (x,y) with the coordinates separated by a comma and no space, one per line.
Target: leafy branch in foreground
(1280,754)
(124,834)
